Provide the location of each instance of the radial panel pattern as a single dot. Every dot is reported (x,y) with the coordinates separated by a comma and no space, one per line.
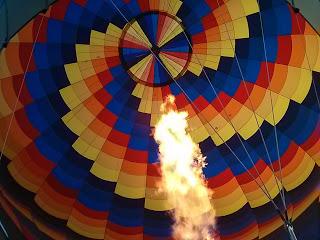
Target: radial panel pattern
(79,144)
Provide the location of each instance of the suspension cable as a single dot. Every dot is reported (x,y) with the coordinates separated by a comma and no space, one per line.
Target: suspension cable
(20,89)
(200,115)
(272,107)
(228,118)
(255,116)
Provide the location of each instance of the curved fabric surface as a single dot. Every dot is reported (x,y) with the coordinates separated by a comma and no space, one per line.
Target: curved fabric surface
(80,142)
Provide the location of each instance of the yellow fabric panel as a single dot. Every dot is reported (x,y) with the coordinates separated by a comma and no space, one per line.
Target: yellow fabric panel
(5,72)
(157,205)
(212,61)
(226,27)
(215,45)
(251,126)
(199,134)
(148,96)
(83,52)
(200,56)
(230,203)
(110,162)
(82,91)
(85,149)
(91,152)
(5,110)
(19,178)
(129,192)
(157,200)
(95,35)
(74,123)
(73,72)
(107,167)
(82,229)
(214,136)
(96,52)
(194,122)
(280,106)
(219,122)
(97,38)
(156,105)
(313,52)
(170,6)
(154,119)
(240,118)
(136,31)
(68,116)
(250,6)
(142,106)
(84,115)
(223,134)
(194,67)
(227,32)
(93,138)
(87,70)
(265,107)
(146,100)
(303,87)
(78,119)
(258,198)
(226,36)
(138,90)
(111,41)
(227,49)
(113,30)
(155,193)
(299,174)
(174,29)
(134,181)
(139,69)
(241,29)
(235,9)
(173,67)
(54,211)
(104,173)
(290,83)
(140,66)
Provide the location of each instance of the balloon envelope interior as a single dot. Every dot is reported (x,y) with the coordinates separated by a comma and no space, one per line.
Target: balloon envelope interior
(80,92)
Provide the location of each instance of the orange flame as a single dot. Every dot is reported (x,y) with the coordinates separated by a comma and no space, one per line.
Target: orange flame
(182,176)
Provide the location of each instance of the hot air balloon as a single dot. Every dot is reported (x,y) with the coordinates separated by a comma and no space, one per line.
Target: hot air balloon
(80,90)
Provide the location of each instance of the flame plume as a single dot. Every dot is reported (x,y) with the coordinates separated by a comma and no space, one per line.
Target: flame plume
(182,177)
